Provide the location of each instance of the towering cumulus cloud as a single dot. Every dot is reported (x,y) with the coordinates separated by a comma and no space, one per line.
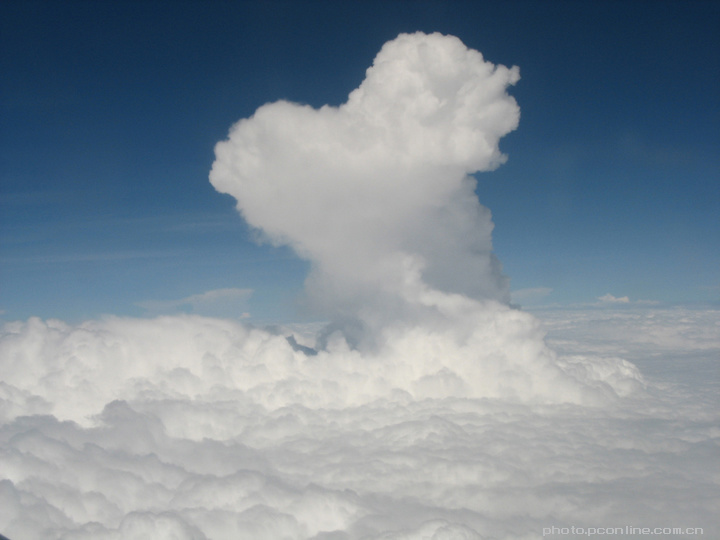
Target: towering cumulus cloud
(376,193)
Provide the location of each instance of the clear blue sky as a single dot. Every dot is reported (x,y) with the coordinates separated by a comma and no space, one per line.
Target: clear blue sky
(110,112)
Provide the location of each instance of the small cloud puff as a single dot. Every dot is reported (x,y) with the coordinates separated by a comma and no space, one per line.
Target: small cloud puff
(610,299)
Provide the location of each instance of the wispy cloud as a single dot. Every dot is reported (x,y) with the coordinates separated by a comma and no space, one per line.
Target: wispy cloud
(231,302)
(529,296)
(93,257)
(609,299)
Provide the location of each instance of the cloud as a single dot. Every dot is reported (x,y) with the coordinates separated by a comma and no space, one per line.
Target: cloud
(636,333)
(524,296)
(93,257)
(376,192)
(189,427)
(219,303)
(72,371)
(610,299)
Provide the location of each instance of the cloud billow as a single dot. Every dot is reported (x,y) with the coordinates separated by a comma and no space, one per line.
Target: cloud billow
(376,192)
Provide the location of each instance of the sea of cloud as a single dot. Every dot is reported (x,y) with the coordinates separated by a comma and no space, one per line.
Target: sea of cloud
(427,408)
(189,427)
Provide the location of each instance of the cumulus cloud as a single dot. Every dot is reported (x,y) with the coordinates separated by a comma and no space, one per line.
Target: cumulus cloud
(189,427)
(376,192)
(71,371)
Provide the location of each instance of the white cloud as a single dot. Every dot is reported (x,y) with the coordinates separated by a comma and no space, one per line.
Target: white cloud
(533,295)
(73,371)
(610,299)
(204,428)
(217,303)
(94,257)
(646,336)
(376,192)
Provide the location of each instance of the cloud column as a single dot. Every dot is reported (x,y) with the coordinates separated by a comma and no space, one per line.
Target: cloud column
(376,192)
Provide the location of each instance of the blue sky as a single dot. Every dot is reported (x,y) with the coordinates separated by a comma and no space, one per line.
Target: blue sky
(110,112)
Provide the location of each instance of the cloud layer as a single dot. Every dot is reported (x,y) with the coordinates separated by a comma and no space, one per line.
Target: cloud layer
(195,428)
